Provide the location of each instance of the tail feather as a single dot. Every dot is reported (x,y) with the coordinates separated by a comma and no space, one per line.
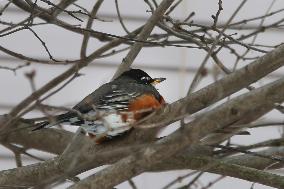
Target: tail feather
(41,125)
(233,132)
(57,120)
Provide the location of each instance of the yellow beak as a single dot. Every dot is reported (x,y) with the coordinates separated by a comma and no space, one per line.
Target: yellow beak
(157,80)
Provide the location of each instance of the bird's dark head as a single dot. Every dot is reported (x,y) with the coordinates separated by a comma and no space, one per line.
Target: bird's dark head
(141,77)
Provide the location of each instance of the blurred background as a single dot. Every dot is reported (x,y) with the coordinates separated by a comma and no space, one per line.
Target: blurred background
(177,64)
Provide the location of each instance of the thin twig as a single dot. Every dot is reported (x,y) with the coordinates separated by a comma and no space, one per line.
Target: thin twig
(120,18)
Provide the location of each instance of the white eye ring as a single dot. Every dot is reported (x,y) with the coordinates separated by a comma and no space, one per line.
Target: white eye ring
(145,78)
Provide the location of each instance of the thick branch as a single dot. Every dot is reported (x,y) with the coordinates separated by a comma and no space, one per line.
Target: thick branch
(187,160)
(221,88)
(247,173)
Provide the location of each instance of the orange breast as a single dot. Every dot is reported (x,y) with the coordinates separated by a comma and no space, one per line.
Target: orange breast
(144,105)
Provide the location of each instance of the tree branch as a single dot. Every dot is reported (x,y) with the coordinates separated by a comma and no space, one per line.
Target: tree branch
(144,34)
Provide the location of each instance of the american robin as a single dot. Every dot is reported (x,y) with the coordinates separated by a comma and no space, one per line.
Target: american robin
(110,110)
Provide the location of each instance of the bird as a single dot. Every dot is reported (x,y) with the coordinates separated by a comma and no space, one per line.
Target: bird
(113,108)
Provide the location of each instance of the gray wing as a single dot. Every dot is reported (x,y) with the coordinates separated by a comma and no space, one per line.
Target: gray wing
(107,97)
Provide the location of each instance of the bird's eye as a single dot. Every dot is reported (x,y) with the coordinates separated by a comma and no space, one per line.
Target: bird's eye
(145,78)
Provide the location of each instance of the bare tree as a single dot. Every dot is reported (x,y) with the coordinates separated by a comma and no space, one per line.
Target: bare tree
(197,144)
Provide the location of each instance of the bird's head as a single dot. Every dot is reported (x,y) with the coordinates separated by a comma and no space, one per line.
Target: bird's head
(141,77)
